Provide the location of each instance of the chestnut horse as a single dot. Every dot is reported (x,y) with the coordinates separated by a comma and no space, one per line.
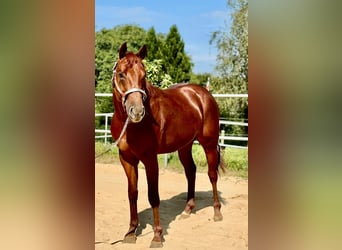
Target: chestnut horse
(161,121)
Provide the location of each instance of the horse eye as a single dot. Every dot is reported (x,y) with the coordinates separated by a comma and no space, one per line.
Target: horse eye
(121,75)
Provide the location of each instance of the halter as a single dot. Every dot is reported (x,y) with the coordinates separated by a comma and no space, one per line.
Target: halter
(124,95)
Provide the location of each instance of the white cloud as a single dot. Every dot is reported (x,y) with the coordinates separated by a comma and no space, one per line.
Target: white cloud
(217,14)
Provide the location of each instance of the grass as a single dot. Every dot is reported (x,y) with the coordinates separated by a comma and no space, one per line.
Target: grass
(235,158)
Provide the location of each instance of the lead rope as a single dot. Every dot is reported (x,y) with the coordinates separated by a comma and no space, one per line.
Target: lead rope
(117,141)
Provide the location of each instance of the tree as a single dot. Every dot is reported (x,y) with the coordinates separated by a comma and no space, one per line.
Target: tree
(201,78)
(232,64)
(232,56)
(153,45)
(155,72)
(156,75)
(176,62)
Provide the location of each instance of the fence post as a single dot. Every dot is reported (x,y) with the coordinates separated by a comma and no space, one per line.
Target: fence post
(165,160)
(222,134)
(106,126)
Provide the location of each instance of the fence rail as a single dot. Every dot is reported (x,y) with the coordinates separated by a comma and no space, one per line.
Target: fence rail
(222,137)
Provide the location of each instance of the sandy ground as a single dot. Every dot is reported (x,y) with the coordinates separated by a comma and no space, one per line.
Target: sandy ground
(199,231)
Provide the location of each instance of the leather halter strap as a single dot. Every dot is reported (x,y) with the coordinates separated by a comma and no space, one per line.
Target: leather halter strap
(124,95)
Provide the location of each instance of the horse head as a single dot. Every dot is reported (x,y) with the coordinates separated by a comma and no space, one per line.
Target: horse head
(129,82)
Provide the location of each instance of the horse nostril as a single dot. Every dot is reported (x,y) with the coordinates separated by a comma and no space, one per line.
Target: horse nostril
(142,113)
(131,111)
(135,114)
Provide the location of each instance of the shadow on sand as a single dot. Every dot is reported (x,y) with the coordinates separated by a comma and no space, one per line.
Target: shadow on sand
(171,208)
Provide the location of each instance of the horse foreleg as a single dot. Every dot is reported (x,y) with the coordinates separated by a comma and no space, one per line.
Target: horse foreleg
(152,173)
(131,170)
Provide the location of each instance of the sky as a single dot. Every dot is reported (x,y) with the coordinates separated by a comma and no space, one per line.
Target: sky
(195,20)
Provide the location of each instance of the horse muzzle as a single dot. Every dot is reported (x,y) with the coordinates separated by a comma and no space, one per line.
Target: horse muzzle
(136,114)
(133,99)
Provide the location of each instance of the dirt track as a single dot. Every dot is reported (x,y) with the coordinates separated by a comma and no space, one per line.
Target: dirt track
(199,231)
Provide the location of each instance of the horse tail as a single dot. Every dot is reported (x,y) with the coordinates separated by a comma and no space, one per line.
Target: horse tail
(221,164)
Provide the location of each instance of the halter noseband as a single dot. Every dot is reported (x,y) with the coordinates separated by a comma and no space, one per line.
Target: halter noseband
(124,95)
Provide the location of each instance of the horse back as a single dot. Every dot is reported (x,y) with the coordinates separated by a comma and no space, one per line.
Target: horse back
(197,96)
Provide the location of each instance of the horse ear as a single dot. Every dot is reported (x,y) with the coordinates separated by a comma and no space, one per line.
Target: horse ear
(123,50)
(142,53)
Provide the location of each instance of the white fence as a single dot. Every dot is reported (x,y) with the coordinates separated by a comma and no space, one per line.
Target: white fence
(107,133)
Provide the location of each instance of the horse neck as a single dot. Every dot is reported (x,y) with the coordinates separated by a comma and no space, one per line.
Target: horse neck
(152,90)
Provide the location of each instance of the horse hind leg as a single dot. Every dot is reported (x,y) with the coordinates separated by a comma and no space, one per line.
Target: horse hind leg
(213,158)
(186,159)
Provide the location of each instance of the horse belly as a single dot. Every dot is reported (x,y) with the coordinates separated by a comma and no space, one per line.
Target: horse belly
(174,138)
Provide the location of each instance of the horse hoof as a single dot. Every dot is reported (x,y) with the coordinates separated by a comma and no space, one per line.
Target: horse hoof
(156,244)
(184,215)
(131,239)
(218,217)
